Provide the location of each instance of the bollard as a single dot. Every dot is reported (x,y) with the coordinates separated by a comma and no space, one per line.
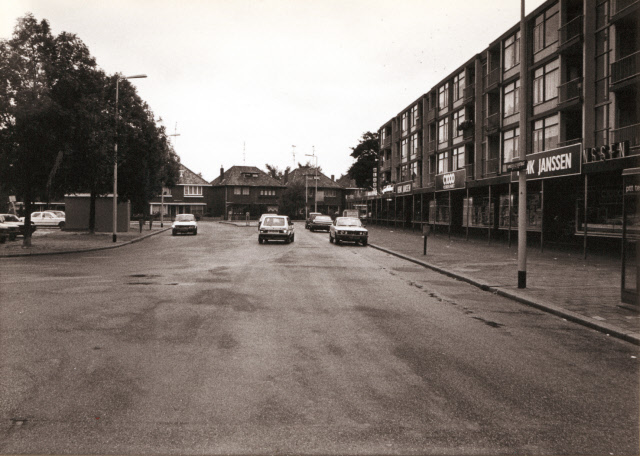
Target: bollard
(141,221)
(426,230)
(150,223)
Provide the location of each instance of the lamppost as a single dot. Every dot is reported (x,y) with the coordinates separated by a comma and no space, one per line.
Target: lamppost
(162,193)
(115,158)
(315,177)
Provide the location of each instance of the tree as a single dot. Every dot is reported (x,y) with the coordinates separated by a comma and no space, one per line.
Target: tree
(277,173)
(366,156)
(293,199)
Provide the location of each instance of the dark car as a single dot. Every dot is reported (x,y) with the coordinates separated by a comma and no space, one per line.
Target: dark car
(320,223)
(310,218)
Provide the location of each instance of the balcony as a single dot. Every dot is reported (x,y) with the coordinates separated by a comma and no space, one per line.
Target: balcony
(630,133)
(431,114)
(570,142)
(469,174)
(620,8)
(386,142)
(490,81)
(431,146)
(571,36)
(625,71)
(570,94)
(469,93)
(492,123)
(490,166)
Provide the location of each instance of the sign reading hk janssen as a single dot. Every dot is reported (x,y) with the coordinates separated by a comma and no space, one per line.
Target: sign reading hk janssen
(557,162)
(451,181)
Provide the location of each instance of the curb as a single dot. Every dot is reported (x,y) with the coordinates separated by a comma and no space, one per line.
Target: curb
(90,249)
(574,317)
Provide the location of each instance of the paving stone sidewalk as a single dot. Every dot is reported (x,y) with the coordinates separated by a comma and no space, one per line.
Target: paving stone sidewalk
(560,280)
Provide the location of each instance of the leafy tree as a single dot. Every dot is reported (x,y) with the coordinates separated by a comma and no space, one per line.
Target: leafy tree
(277,173)
(293,199)
(366,156)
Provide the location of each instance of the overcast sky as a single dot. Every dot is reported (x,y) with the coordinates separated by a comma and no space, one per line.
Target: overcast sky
(245,80)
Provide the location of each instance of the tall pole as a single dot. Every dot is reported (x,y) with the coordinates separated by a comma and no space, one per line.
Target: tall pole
(522,175)
(115,158)
(175,133)
(313,154)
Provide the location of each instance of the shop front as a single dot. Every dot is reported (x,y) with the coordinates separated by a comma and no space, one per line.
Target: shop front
(630,277)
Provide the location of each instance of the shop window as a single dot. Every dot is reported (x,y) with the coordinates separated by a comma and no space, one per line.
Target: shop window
(478,212)
(509,219)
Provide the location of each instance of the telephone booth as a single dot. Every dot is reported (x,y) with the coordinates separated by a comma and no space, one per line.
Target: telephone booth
(630,283)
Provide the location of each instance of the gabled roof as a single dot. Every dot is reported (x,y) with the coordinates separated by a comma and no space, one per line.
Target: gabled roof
(246,176)
(346,182)
(298,175)
(188,177)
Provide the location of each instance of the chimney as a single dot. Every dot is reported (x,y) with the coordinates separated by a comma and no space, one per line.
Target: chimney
(286,176)
(221,173)
(333,177)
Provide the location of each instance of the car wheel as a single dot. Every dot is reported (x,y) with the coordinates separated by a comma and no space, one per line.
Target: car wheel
(287,241)
(337,240)
(13,236)
(173,232)
(61,225)
(195,232)
(293,237)
(259,240)
(364,243)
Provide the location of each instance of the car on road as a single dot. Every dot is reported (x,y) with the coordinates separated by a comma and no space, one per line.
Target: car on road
(276,228)
(310,218)
(184,223)
(348,229)
(6,233)
(320,223)
(46,218)
(16,224)
(58,213)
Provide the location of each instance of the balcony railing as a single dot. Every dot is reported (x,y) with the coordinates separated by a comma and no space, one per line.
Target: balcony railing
(624,68)
(571,30)
(630,133)
(570,90)
(431,146)
(620,5)
(386,142)
(492,122)
(469,168)
(491,79)
(490,166)
(570,142)
(469,92)
(431,114)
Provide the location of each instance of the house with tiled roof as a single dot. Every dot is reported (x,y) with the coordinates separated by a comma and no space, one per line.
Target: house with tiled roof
(189,196)
(243,190)
(329,198)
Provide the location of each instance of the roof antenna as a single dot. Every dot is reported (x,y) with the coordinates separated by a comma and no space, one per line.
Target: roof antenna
(294,155)
(244,157)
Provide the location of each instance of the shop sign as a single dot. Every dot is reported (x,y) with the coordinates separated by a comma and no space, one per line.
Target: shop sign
(632,184)
(564,161)
(403,188)
(451,181)
(607,152)
(388,189)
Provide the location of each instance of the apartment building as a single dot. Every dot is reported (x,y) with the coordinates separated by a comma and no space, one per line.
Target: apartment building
(445,159)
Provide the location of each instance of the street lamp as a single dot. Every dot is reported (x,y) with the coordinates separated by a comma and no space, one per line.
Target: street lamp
(115,158)
(315,178)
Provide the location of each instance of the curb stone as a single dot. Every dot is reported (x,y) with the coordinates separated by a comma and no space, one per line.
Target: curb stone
(574,317)
(89,249)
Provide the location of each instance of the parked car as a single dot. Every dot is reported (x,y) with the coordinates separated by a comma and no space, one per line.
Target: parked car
(46,218)
(276,228)
(320,223)
(58,213)
(184,223)
(14,221)
(348,229)
(5,233)
(310,218)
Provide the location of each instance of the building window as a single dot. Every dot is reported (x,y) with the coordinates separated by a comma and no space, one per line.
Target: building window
(166,191)
(405,121)
(602,65)
(458,86)
(415,171)
(443,130)
(405,148)
(512,51)
(545,82)
(240,190)
(458,118)
(545,134)
(267,192)
(443,96)
(415,115)
(443,163)
(192,190)
(545,30)
(512,98)
(330,194)
(510,140)
(458,158)
(415,142)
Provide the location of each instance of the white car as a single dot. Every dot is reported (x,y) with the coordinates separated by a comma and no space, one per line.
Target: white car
(184,223)
(276,228)
(16,225)
(46,218)
(348,229)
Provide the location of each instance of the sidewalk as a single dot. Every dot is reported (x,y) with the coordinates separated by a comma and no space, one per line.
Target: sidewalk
(55,241)
(584,291)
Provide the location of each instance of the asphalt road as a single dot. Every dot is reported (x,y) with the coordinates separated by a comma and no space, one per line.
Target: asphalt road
(216,344)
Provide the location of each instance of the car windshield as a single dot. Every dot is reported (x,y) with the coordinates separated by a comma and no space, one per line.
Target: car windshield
(273,221)
(348,222)
(185,218)
(322,218)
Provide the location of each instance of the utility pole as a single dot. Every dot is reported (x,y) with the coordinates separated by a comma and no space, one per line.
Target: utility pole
(175,133)
(522,174)
(293,148)
(313,154)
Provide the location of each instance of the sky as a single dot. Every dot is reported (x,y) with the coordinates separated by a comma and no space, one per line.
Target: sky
(243,81)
